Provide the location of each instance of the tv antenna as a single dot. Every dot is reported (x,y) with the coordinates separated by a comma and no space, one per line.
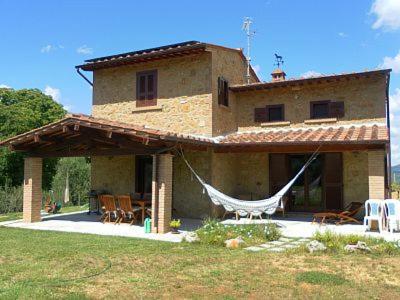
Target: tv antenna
(278,60)
(246,27)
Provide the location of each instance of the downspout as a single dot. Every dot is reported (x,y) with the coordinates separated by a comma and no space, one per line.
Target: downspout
(388,147)
(78,69)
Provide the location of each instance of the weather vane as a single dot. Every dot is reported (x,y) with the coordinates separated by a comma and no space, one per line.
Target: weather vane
(278,60)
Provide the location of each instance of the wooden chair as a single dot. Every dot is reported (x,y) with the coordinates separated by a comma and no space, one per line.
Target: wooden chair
(345,216)
(110,207)
(126,209)
(284,202)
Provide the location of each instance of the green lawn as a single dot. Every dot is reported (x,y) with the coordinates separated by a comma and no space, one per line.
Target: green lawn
(18,215)
(39,264)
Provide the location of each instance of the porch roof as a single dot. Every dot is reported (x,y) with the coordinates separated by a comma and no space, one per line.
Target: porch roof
(82,135)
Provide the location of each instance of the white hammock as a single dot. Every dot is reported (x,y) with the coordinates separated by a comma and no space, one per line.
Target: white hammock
(245,207)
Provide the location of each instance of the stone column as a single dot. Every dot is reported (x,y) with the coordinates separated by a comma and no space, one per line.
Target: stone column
(376,174)
(32,203)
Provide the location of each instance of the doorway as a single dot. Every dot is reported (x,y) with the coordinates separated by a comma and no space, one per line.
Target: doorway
(143,174)
(320,187)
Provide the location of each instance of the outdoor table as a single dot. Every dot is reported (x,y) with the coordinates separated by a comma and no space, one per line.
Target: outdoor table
(142,203)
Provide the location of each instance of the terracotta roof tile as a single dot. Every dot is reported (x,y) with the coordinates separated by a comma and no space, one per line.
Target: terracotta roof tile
(352,134)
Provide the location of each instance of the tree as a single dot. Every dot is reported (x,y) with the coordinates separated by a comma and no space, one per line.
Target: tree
(21,111)
(78,169)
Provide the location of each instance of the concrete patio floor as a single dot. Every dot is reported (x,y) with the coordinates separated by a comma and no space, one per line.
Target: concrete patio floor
(293,226)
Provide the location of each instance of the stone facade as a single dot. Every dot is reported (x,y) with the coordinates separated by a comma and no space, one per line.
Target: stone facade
(364,100)
(355,177)
(184,95)
(32,202)
(114,174)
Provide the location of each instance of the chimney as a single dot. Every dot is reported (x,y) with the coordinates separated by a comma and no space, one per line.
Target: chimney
(278,75)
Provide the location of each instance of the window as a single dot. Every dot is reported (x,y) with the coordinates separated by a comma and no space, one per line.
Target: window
(223,91)
(270,113)
(146,88)
(326,109)
(275,113)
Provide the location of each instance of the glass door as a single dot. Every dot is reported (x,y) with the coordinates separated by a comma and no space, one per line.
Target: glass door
(306,193)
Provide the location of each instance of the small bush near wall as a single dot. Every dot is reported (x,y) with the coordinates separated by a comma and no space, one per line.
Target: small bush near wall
(215,233)
(11,199)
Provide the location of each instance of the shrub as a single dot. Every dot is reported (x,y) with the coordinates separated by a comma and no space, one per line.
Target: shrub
(336,242)
(215,233)
(11,199)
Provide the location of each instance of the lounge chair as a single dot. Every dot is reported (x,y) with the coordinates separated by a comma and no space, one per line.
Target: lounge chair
(391,209)
(110,208)
(373,212)
(126,209)
(341,217)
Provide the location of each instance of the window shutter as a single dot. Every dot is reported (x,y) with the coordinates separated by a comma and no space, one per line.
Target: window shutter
(260,114)
(220,92)
(141,87)
(226,93)
(336,109)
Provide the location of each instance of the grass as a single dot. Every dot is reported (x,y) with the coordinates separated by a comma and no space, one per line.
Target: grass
(44,264)
(18,215)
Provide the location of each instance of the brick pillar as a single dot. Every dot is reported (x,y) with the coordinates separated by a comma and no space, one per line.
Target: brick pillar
(154,197)
(162,193)
(32,189)
(376,174)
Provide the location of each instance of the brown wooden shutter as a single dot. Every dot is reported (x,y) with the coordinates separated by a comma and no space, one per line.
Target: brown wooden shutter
(226,93)
(260,114)
(220,90)
(141,87)
(333,180)
(336,109)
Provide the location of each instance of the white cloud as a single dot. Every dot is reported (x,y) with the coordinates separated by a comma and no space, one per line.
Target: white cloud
(310,74)
(343,35)
(53,93)
(391,63)
(387,13)
(394,102)
(4,86)
(84,50)
(49,48)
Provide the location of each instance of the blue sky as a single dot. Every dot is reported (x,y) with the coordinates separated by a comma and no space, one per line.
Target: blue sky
(42,41)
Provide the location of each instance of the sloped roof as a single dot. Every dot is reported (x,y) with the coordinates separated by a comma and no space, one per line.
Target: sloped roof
(311,80)
(363,133)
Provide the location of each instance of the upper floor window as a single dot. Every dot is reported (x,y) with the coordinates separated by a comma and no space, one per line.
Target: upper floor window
(223,91)
(146,88)
(326,109)
(270,113)
(275,113)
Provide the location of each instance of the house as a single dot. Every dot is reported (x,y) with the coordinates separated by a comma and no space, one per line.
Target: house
(243,136)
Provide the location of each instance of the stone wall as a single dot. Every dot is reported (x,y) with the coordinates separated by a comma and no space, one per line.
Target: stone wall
(364,100)
(232,67)
(115,174)
(188,198)
(355,177)
(184,95)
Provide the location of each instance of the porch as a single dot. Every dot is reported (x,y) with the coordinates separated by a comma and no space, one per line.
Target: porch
(292,226)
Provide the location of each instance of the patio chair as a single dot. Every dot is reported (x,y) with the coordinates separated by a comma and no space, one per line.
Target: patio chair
(391,210)
(284,202)
(109,207)
(341,217)
(126,209)
(373,212)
